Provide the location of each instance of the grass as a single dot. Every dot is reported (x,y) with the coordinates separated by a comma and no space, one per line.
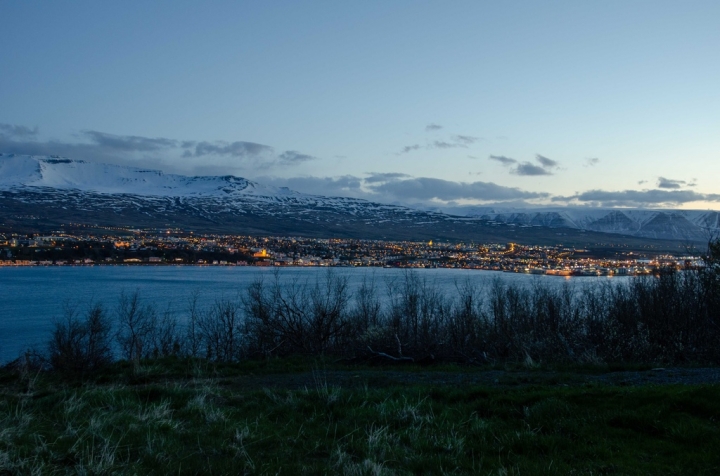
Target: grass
(173,367)
(208,421)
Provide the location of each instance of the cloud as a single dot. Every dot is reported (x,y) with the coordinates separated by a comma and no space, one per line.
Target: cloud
(233,149)
(466,139)
(503,160)
(438,144)
(639,198)
(294,157)
(346,185)
(433,127)
(129,143)
(409,148)
(528,169)
(457,141)
(591,161)
(159,152)
(672,184)
(425,188)
(84,151)
(248,150)
(384,177)
(13,130)
(402,189)
(545,162)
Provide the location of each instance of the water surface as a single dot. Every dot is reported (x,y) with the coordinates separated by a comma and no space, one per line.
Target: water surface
(31,298)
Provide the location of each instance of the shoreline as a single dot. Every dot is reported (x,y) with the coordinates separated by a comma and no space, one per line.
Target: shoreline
(532,271)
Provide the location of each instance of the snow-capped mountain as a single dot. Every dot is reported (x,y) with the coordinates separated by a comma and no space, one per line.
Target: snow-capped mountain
(692,225)
(46,192)
(81,183)
(22,171)
(41,193)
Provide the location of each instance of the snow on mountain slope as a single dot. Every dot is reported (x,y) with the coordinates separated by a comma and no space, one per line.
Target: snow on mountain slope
(18,171)
(88,184)
(85,186)
(696,225)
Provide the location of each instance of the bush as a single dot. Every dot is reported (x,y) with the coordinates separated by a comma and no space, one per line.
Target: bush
(81,345)
(220,331)
(670,318)
(298,317)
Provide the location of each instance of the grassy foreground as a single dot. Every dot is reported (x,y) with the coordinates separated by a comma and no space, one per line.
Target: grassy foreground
(154,421)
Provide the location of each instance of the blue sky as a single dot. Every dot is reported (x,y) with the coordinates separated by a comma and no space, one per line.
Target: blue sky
(611,103)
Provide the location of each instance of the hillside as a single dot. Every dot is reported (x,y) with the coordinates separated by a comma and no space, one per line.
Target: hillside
(39,194)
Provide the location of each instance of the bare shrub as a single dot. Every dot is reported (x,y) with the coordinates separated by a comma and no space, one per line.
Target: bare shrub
(367,309)
(265,333)
(221,331)
(192,342)
(467,327)
(554,330)
(137,323)
(673,317)
(509,310)
(328,318)
(368,322)
(81,345)
(287,317)
(166,340)
(417,316)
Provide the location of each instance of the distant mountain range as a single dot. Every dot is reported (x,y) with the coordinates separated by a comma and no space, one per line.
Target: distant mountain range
(688,225)
(42,193)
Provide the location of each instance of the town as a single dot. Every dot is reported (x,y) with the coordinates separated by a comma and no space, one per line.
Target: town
(126,246)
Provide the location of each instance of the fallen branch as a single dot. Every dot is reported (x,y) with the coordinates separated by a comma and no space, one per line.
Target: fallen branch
(390,357)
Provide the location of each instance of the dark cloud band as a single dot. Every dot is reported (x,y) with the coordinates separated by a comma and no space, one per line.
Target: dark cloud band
(129,149)
(130,143)
(233,149)
(639,198)
(425,188)
(13,130)
(294,157)
(667,183)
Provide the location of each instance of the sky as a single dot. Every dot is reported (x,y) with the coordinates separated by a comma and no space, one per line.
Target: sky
(430,104)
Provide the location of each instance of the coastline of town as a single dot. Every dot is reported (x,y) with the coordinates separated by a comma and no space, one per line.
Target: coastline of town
(177,248)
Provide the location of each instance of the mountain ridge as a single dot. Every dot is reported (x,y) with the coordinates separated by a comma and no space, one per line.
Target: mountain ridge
(692,225)
(42,192)
(18,171)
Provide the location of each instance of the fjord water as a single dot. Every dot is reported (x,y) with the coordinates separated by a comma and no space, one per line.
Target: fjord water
(31,298)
